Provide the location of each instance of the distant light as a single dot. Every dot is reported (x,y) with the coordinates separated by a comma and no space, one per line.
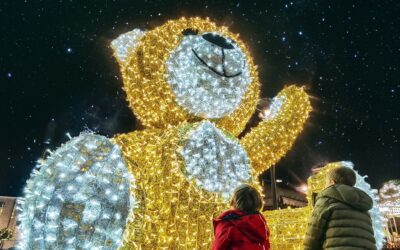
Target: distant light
(273,108)
(302,188)
(265,113)
(9,75)
(300,33)
(283,39)
(69,50)
(278,180)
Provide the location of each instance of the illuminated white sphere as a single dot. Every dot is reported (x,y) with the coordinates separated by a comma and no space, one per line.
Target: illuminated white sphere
(209,75)
(216,163)
(78,198)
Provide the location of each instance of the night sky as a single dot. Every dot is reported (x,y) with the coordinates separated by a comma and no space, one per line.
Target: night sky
(57,75)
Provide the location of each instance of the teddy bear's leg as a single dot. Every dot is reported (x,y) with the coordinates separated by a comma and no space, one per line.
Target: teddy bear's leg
(77,198)
(274,136)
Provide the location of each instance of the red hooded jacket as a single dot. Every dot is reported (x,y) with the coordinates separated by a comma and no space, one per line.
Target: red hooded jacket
(236,230)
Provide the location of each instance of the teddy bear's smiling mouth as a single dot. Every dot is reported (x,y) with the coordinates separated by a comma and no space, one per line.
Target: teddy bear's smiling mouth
(223,74)
(223,44)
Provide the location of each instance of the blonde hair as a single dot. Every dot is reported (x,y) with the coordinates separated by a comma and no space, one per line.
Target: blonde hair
(247,199)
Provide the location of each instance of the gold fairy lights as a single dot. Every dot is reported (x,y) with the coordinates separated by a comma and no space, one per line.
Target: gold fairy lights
(272,138)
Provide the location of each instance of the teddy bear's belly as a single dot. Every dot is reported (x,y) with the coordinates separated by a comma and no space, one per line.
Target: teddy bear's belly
(216,162)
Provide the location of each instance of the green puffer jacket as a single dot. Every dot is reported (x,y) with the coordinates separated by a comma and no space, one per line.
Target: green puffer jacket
(340,220)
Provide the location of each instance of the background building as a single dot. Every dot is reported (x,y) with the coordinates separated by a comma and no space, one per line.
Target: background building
(8,221)
(285,197)
(389,205)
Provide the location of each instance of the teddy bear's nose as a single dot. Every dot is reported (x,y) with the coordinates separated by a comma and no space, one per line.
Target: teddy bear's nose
(218,40)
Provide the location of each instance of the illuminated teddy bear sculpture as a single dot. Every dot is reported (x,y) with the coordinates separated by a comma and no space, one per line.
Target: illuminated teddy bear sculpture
(194,87)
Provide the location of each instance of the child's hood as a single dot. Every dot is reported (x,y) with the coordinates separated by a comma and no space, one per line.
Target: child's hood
(252,226)
(351,196)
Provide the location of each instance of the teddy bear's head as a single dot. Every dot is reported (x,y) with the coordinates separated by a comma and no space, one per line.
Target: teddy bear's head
(188,70)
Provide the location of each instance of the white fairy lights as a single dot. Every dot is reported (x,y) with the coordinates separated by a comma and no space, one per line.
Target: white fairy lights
(216,162)
(79,197)
(390,190)
(390,208)
(125,44)
(389,202)
(208,80)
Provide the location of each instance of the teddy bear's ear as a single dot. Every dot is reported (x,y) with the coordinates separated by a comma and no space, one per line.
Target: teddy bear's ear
(126,44)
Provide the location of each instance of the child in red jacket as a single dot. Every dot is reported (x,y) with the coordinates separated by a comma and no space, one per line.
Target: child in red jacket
(243,227)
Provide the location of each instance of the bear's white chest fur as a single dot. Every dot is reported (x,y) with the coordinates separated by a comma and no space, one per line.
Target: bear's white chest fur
(216,162)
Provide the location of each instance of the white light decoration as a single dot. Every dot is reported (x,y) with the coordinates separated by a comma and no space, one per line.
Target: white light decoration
(390,208)
(78,198)
(376,216)
(126,43)
(390,190)
(208,80)
(389,203)
(216,162)
(273,110)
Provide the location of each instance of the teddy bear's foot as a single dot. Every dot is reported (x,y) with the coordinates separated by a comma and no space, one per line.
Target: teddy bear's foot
(79,197)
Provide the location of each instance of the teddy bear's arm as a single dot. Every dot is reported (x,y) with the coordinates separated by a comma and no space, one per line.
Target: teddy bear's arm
(282,123)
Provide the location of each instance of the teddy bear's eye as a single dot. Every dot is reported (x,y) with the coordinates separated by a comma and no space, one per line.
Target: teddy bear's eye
(218,40)
(187,32)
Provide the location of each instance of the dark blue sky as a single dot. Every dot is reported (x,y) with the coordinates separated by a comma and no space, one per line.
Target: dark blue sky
(57,75)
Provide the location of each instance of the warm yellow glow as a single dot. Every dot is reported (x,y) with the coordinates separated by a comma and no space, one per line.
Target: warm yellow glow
(288,227)
(271,139)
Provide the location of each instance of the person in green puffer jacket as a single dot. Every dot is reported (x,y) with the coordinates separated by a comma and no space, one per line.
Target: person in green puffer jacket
(340,218)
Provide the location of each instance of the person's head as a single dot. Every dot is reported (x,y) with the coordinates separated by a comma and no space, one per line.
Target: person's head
(341,175)
(247,199)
